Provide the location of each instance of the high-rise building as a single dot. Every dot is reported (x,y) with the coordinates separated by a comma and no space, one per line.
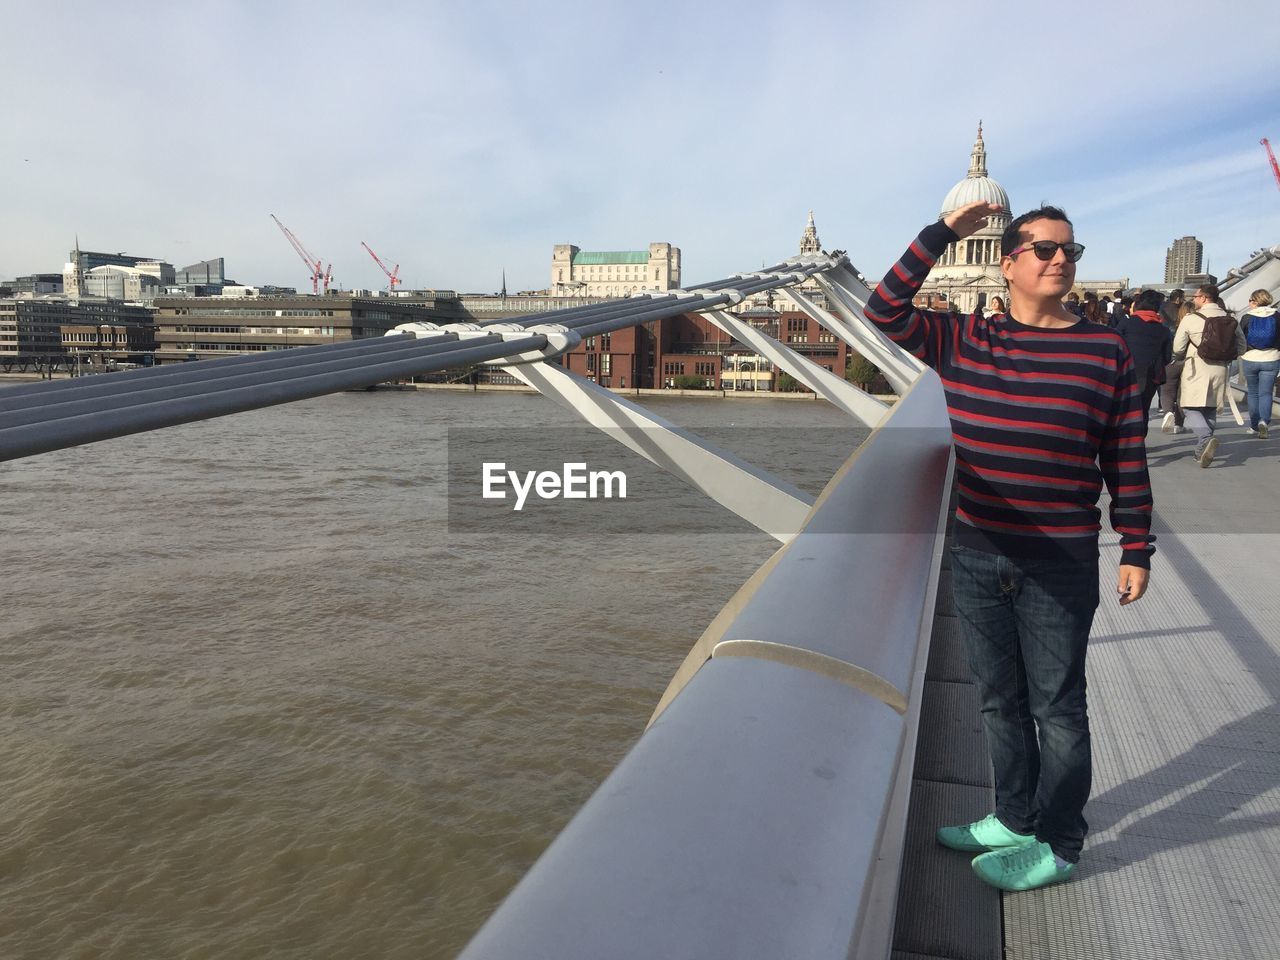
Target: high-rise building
(1185,257)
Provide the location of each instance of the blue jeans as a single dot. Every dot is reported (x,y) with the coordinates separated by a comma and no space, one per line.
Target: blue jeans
(1260,381)
(1025,624)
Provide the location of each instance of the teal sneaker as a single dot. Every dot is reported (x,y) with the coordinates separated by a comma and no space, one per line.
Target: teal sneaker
(987,834)
(1026,867)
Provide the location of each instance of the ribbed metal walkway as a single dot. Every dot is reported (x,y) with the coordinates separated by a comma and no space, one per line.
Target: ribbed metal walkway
(1183,857)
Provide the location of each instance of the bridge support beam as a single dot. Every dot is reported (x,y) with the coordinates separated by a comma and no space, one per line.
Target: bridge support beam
(766,501)
(863,407)
(848,295)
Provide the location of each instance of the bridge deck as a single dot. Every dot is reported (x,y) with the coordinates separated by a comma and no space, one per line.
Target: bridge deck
(1183,858)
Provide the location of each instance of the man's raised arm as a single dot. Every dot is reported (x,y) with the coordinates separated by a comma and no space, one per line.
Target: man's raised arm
(890,307)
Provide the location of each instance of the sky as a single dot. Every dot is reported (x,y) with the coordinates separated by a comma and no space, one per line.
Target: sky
(461,140)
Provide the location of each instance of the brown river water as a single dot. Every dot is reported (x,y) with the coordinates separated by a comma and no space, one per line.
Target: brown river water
(259,699)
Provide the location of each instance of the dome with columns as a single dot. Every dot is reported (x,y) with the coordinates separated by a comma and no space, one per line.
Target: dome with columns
(967,273)
(976,185)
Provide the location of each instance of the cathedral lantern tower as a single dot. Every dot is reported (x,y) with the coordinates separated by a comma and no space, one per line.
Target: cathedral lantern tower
(968,272)
(810,243)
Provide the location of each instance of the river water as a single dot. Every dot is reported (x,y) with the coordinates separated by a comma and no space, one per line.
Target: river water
(260,699)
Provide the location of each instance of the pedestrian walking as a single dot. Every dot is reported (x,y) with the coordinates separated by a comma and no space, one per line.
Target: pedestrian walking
(1172,311)
(1044,411)
(1169,309)
(1092,311)
(1208,340)
(1261,361)
(1150,344)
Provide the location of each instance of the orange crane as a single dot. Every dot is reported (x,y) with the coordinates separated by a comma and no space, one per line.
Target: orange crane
(392,275)
(1275,167)
(319,272)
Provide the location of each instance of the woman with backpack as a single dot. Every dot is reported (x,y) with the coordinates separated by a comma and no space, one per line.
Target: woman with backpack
(1209,339)
(1261,362)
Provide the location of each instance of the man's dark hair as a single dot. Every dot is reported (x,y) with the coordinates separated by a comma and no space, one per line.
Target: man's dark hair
(1210,290)
(1117,294)
(1012,235)
(1148,300)
(1177,296)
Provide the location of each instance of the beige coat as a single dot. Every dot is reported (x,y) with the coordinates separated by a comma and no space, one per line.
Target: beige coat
(1203,384)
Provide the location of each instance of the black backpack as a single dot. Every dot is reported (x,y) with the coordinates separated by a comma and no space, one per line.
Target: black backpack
(1218,340)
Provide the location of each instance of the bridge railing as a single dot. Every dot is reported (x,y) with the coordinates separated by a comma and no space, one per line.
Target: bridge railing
(762,812)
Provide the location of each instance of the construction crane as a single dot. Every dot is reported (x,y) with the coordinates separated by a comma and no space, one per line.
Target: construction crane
(392,275)
(319,272)
(1275,167)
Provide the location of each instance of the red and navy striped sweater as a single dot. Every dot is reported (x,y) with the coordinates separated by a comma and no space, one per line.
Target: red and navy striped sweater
(1040,418)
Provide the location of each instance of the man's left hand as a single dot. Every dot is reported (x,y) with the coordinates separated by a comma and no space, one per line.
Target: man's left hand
(1132,583)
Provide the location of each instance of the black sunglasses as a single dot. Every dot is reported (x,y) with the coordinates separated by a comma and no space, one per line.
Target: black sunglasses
(1045,249)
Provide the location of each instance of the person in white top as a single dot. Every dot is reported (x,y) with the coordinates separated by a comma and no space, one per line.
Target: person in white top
(1261,362)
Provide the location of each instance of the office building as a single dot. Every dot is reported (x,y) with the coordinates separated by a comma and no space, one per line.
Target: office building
(1184,258)
(204,328)
(49,329)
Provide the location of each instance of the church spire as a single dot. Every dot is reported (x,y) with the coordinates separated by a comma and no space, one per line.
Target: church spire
(810,243)
(73,279)
(978,159)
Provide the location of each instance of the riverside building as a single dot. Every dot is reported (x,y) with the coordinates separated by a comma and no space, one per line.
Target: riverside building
(49,331)
(614,273)
(203,328)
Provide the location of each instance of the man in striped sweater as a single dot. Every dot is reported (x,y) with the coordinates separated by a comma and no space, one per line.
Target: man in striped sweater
(1044,409)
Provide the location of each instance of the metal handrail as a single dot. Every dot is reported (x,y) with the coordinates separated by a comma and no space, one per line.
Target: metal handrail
(762,813)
